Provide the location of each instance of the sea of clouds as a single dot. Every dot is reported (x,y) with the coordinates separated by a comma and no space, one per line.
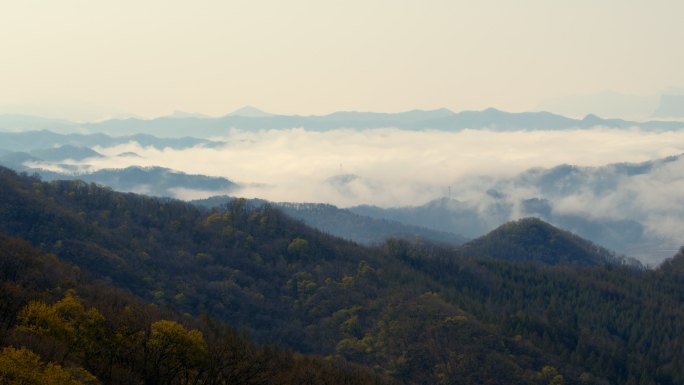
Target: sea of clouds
(391,167)
(388,167)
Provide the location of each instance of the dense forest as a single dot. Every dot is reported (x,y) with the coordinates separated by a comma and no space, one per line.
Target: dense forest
(345,224)
(105,287)
(61,326)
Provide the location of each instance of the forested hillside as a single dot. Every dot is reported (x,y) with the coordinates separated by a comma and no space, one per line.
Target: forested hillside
(345,224)
(413,311)
(59,325)
(531,239)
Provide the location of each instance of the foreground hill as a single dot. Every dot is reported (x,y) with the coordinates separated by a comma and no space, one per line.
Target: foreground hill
(419,313)
(59,325)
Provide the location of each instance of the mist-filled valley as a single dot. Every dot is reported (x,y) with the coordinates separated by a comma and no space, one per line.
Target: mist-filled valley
(619,186)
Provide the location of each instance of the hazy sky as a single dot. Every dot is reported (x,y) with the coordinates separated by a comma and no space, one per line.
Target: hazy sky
(81,59)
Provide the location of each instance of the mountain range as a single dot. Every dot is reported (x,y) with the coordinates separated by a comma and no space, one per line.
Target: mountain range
(442,119)
(250,118)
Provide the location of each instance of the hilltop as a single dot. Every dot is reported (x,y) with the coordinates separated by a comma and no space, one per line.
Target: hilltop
(533,240)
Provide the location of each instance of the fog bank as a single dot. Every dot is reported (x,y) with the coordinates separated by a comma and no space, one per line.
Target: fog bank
(388,167)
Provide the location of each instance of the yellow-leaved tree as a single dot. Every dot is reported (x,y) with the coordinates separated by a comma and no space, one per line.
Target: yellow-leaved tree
(174,354)
(66,327)
(24,367)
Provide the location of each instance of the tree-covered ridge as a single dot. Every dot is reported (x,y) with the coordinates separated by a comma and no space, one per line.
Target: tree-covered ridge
(49,335)
(345,224)
(418,312)
(531,239)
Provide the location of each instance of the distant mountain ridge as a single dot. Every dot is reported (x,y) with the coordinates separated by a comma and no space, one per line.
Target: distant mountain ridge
(249,118)
(155,181)
(66,151)
(441,119)
(45,139)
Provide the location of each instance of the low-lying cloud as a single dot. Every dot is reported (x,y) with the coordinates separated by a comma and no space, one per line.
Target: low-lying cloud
(392,167)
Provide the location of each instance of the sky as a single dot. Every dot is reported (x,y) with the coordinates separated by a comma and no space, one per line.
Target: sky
(85,60)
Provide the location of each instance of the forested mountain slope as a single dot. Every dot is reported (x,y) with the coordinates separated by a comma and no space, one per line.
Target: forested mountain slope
(414,311)
(531,239)
(59,325)
(346,224)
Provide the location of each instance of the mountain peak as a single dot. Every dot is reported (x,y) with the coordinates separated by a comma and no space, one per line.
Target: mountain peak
(592,118)
(533,240)
(250,112)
